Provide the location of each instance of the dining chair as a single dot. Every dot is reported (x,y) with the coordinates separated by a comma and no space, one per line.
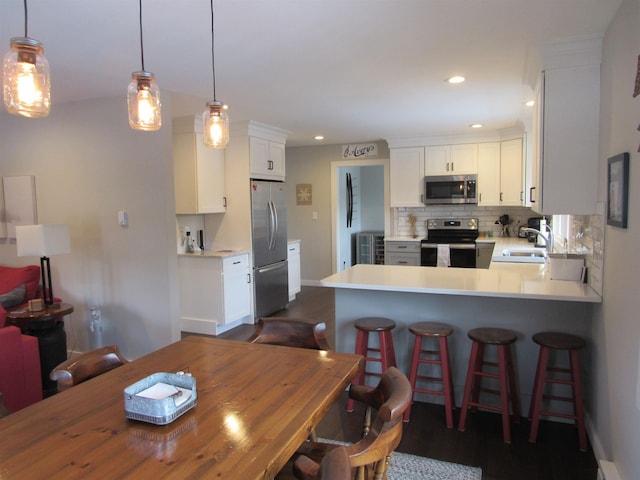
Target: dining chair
(334,466)
(86,366)
(370,456)
(291,332)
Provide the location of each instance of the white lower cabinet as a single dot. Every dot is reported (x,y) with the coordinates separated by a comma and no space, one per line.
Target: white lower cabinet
(402,253)
(215,292)
(293,258)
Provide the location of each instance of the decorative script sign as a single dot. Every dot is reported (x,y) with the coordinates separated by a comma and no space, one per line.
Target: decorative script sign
(360,150)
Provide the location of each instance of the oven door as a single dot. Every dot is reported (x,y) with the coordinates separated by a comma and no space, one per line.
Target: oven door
(461,255)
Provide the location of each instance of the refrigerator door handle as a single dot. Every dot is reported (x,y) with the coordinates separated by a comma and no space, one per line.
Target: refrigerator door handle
(270,268)
(275,225)
(269,225)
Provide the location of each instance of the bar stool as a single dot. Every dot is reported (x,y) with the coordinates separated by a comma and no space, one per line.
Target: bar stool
(571,344)
(440,331)
(502,339)
(387,357)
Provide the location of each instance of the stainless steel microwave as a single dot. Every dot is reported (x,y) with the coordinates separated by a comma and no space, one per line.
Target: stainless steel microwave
(450,189)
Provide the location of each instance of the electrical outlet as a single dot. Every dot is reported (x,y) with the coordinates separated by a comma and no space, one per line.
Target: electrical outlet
(95,314)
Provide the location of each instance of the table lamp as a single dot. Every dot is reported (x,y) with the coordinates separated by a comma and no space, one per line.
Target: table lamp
(42,241)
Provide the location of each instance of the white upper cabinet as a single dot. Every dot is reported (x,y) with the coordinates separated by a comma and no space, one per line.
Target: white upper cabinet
(488,174)
(267,159)
(451,159)
(565,130)
(199,181)
(406,177)
(511,169)
(437,160)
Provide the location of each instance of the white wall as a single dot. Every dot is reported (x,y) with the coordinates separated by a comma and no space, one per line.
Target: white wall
(89,164)
(615,407)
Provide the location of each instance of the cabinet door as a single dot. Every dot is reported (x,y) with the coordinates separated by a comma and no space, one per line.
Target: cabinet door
(511,180)
(437,160)
(406,177)
(199,181)
(267,159)
(464,159)
(407,259)
(210,178)
(237,288)
(276,157)
(293,257)
(489,174)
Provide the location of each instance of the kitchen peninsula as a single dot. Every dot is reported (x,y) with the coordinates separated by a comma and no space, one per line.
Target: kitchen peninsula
(516,296)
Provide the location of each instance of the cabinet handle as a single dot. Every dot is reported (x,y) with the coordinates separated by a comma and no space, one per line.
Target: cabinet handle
(224,202)
(521,194)
(531,194)
(447,166)
(248,278)
(452,166)
(400,262)
(480,197)
(402,246)
(500,196)
(270,167)
(236,262)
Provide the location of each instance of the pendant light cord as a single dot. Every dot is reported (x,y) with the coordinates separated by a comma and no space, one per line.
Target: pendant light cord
(26,21)
(141,44)
(213,63)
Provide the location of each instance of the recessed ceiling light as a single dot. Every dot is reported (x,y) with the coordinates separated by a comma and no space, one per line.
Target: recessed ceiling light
(476,125)
(319,137)
(530,103)
(456,79)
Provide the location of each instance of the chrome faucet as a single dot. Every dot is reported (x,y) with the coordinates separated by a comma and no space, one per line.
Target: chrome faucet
(547,237)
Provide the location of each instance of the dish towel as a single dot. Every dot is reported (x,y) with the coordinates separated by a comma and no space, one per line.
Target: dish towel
(444,257)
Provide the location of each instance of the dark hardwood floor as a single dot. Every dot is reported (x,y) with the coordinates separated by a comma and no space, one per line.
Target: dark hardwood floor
(554,457)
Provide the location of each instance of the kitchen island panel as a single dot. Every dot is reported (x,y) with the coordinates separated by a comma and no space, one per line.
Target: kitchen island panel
(464,312)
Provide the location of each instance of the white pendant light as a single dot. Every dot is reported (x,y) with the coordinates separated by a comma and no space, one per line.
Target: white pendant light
(27,84)
(215,121)
(143,96)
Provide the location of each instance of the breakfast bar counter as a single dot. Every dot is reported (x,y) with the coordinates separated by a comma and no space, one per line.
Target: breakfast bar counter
(520,297)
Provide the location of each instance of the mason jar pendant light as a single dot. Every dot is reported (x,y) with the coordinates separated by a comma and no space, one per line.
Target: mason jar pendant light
(27,85)
(215,121)
(143,96)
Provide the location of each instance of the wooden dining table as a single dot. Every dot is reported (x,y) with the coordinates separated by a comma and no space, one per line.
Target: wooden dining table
(255,405)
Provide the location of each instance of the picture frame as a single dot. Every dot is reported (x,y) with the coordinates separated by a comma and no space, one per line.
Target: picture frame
(618,190)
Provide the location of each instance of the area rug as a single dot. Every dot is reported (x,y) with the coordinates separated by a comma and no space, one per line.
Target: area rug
(412,467)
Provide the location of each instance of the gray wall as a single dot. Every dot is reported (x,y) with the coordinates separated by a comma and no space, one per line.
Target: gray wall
(615,407)
(88,164)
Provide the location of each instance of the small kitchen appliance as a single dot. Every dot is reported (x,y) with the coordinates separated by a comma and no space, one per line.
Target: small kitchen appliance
(450,189)
(453,236)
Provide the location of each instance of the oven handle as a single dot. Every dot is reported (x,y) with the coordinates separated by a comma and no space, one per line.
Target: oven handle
(452,246)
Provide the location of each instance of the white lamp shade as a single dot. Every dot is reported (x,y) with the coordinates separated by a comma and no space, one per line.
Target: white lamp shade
(42,240)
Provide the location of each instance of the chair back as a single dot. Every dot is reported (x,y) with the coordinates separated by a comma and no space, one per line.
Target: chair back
(291,332)
(371,454)
(334,466)
(86,366)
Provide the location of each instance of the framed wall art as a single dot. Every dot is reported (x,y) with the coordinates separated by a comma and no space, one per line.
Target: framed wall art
(618,190)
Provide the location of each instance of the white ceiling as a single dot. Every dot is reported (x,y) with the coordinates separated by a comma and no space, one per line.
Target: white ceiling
(351,70)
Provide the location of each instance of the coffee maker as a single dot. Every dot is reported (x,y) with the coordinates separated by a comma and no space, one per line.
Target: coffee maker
(534,222)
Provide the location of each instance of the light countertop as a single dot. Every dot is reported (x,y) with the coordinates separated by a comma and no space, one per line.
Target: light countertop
(214,253)
(506,280)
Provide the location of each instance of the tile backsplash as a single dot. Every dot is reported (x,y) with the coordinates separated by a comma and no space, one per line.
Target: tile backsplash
(586,236)
(487,217)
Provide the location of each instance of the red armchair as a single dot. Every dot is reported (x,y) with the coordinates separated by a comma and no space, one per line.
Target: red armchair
(20,378)
(12,278)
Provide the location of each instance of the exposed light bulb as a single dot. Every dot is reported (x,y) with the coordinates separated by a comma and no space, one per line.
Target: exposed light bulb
(215,125)
(26,79)
(143,97)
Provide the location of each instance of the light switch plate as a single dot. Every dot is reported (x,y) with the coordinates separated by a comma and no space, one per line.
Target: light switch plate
(123,218)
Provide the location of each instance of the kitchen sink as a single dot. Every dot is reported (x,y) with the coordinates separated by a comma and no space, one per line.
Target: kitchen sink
(522,255)
(524,252)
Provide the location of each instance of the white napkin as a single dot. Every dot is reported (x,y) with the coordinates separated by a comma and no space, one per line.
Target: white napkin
(444,257)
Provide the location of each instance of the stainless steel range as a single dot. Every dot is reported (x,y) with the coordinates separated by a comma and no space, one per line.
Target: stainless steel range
(450,242)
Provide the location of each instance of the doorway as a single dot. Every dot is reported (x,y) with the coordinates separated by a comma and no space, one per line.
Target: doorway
(359,202)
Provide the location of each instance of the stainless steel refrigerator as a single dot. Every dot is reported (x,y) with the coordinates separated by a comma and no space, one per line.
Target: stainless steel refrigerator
(269,234)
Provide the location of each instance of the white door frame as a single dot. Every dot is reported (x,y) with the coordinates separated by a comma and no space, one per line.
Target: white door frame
(384,162)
